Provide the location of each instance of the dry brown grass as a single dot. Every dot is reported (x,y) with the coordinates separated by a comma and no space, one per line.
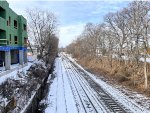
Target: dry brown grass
(130,75)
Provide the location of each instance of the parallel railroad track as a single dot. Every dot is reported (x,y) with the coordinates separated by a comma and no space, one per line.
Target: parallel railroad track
(103,96)
(86,101)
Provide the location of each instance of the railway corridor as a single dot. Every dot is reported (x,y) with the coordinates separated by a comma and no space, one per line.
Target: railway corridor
(73,91)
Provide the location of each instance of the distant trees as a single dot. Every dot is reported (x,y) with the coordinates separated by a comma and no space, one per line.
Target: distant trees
(43,29)
(124,35)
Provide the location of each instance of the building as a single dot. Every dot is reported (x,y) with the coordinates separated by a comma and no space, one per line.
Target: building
(13,36)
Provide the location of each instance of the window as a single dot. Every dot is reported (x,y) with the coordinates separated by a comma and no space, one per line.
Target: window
(25,40)
(2,12)
(16,40)
(9,21)
(24,27)
(15,24)
(10,39)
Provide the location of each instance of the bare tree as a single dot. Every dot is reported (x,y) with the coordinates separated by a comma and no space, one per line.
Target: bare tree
(139,29)
(43,29)
(124,34)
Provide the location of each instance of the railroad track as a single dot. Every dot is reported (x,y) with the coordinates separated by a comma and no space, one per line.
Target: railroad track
(87,83)
(86,102)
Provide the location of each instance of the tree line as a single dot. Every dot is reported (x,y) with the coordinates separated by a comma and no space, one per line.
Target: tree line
(123,36)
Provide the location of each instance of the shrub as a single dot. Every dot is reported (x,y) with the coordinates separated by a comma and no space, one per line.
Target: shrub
(122,78)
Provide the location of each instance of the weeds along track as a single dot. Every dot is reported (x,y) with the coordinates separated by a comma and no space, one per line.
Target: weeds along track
(94,98)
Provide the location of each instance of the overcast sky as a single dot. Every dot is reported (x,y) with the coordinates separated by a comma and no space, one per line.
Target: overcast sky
(72,15)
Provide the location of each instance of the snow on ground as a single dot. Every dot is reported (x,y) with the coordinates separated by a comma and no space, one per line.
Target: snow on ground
(67,93)
(60,97)
(147,59)
(138,98)
(2,69)
(129,101)
(121,98)
(12,73)
(86,97)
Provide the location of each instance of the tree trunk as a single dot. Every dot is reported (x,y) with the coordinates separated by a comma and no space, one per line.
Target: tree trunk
(145,73)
